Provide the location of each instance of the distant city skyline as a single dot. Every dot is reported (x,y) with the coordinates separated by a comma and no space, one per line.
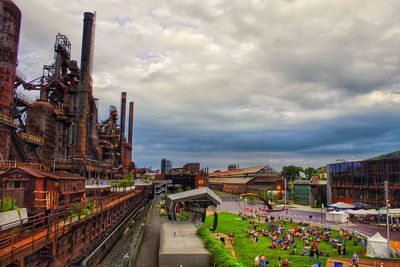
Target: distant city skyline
(251,82)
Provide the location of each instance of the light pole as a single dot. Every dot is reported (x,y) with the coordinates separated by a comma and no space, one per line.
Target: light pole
(286,212)
(322,206)
(386,186)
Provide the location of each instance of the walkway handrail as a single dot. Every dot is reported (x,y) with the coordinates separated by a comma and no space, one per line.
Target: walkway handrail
(59,220)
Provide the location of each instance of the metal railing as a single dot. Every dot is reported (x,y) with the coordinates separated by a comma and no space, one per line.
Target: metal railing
(24,99)
(8,120)
(35,139)
(9,164)
(20,76)
(40,229)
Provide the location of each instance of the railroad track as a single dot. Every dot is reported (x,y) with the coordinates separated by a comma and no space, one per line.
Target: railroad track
(99,251)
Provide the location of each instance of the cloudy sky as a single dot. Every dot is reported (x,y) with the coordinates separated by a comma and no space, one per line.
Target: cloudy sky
(246,82)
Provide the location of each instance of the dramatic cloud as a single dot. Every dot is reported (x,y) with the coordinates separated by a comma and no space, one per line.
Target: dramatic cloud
(249,82)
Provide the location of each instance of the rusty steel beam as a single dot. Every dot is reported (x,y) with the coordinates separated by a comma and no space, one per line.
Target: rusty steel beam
(86,84)
(130,129)
(122,125)
(10,16)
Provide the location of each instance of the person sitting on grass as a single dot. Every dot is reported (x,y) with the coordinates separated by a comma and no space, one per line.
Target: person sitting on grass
(285,262)
(304,252)
(263,261)
(285,247)
(272,245)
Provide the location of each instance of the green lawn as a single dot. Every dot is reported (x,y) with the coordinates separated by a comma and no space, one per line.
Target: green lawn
(246,249)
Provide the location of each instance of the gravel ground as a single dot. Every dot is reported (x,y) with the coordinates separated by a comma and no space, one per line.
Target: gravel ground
(127,243)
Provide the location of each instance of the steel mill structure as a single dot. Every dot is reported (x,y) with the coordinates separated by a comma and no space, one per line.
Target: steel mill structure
(59,131)
(59,164)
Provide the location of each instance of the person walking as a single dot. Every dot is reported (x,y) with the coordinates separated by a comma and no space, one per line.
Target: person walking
(312,254)
(355,259)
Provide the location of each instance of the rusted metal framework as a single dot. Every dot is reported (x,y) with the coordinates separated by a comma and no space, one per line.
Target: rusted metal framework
(64,237)
(60,129)
(60,132)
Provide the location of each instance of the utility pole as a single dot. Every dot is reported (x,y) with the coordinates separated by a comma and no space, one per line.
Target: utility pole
(386,186)
(286,212)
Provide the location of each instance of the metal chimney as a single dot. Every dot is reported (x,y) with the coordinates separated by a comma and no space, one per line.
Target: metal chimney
(85,86)
(122,124)
(130,133)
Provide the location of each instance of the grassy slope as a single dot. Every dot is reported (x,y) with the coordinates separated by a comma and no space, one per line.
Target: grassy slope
(247,250)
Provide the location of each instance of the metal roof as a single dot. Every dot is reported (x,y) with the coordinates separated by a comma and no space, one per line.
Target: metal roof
(237,172)
(196,193)
(229,180)
(203,197)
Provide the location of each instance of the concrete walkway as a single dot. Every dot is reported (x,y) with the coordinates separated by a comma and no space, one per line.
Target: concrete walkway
(148,255)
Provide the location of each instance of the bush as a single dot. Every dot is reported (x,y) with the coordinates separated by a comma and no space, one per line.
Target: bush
(220,255)
(8,204)
(179,189)
(125,182)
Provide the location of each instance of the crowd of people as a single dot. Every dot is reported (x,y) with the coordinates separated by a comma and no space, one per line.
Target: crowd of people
(284,238)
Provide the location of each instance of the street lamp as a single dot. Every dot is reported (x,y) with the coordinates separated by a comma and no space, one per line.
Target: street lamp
(286,212)
(386,186)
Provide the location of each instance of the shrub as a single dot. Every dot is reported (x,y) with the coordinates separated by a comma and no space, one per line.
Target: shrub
(8,204)
(220,255)
(179,189)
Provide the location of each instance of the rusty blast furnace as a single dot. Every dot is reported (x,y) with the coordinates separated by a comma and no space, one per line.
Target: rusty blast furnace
(59,131)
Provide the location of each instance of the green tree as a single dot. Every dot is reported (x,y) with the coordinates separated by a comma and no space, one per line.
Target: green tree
(188,188)
(146,178)
(311,172)
(291,171)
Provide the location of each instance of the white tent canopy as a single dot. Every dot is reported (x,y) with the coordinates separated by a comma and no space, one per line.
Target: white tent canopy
(377,246)
(341,205)
(356,212)
(337,216)
(363,212)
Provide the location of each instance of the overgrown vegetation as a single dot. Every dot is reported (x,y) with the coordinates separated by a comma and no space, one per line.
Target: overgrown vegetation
(82,211)
(125,182)
(7,204)
(220,255)
(179,189)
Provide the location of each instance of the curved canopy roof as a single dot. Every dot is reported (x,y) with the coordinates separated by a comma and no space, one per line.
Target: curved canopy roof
(203,197)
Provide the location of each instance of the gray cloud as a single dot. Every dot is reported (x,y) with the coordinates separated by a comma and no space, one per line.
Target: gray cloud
(250,81)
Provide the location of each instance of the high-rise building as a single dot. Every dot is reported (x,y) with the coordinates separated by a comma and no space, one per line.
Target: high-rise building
(194,167)
(166,166)
(232,167)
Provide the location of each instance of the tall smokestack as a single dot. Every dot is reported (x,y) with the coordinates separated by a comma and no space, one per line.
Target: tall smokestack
(10,17)
(130,133)
(85,86)
(87,50)
(122,127)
